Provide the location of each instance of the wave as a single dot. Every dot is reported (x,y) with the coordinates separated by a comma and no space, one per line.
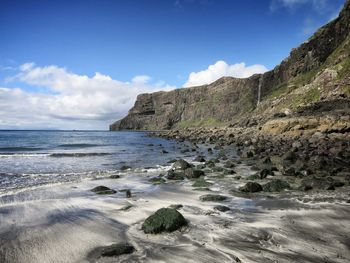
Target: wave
(77,145)
(19,149)
(77,154)
(4,155)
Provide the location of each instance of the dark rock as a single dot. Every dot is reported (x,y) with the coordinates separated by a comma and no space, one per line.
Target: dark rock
(192,173)
(174,175)
(212,198)
(222,208)
(114,176)
(251,187)
(128,193)
(103,190)
(229,171)
(279,115)
(163,220)
(320,183)
(276,185)
(230,164)
(176,206)
(265,172)
(164,151)
(117,250)
(181,165)
(199,159)
(289,172)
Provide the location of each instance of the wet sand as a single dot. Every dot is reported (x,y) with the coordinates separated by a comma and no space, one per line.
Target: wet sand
(64,223)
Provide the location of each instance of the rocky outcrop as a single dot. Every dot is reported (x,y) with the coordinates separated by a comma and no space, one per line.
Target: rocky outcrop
(228,99)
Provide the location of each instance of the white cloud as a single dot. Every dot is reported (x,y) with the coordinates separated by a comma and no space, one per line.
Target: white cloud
(221,69)
(141,79)
(67,100)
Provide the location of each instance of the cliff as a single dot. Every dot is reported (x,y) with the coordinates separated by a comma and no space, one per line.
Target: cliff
(318,70)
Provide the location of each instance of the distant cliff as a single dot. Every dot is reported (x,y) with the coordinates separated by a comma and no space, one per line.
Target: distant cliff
(311,68)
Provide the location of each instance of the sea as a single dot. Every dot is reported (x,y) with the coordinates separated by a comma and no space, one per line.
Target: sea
(35,158)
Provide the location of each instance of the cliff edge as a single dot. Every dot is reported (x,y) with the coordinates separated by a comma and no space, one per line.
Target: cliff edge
(316,72)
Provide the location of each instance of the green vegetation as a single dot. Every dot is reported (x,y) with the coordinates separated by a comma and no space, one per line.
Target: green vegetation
(209,122)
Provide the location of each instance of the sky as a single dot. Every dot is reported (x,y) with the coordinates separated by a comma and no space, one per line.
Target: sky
(80,64)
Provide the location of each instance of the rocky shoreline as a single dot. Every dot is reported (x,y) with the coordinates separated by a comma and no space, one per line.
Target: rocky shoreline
(312,161)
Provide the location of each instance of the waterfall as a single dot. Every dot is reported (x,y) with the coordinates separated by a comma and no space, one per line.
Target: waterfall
(259,89)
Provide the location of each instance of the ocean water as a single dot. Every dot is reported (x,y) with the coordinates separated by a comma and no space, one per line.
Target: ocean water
(33,158)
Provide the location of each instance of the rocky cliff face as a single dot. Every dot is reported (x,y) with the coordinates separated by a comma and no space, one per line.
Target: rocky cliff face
(321,60)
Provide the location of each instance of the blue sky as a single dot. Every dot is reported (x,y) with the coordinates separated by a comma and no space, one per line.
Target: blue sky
(164,41)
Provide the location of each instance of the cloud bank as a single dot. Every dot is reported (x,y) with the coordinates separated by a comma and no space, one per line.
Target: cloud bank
(221,69)
(59,99)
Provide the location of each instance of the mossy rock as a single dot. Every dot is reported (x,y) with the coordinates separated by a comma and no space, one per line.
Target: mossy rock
(253,177)
(113,250)
(212,198)
(276,185)
(103,190)
(251,187)
(201,183)
(164,220)
(173,175)
(157,180)
(117,250)
(192,173)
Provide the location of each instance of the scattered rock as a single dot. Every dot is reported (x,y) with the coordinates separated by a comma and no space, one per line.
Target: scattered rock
(128,193)
(114,176)
(181,165)
(212,198)
(192,173)
(201,183)
(103,190)
(276,185)
(163,220)
(176,206)
(222,208)
(199,159)
(251,187)
(117,250)
(173,175)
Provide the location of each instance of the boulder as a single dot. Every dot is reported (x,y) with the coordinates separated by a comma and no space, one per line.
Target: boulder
(199,159)
(276,185)
(117,250)
(222,208)
(192,173)
(320,183)
(164,220)
(174,175)
(212,198)
(103,190)
(181,165)
(251,187)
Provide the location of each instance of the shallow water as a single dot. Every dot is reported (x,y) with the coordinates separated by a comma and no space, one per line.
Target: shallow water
(32,158)
(63,221)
